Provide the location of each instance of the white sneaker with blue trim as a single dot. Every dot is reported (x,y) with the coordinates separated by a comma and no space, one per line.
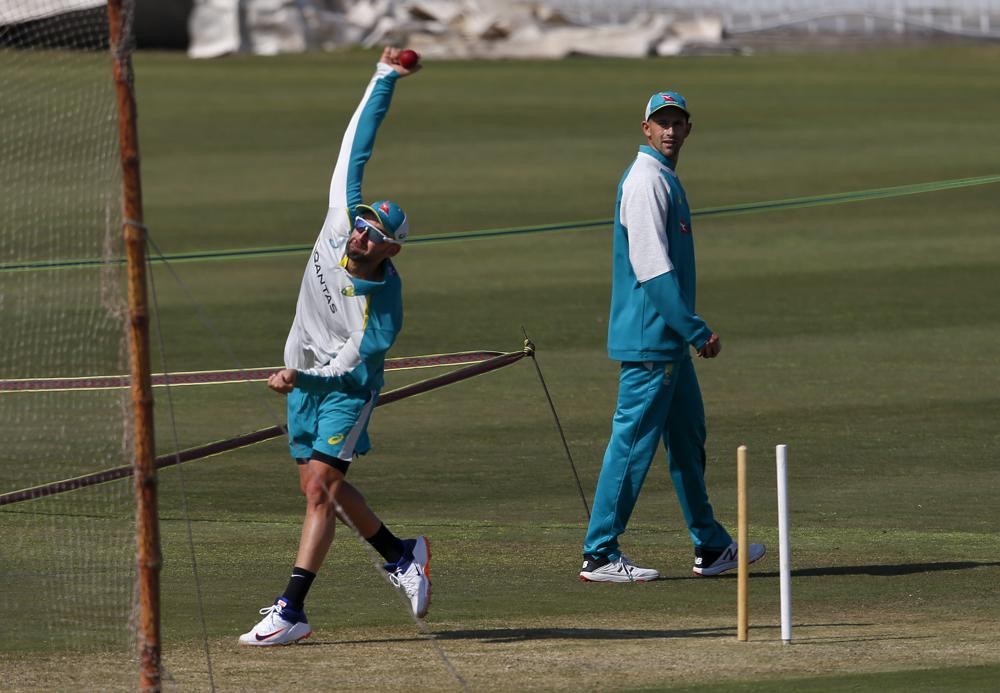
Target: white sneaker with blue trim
(280,626)
(412,574)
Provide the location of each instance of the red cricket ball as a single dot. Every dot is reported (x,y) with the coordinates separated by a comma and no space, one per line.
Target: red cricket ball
(408,58)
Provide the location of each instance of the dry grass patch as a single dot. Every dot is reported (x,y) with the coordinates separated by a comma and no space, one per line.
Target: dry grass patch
(555,654)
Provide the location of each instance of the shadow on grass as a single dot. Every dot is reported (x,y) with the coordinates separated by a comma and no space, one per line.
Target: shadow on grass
(500,635)
(503,635)
(514,635)
(510,635)
(877,570)
(810,639)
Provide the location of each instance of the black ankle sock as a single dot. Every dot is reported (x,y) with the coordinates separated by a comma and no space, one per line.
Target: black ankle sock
(387,544)
(298,587)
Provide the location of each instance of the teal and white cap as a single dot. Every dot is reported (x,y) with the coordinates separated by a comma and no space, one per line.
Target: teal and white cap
(666,99)
(392,217)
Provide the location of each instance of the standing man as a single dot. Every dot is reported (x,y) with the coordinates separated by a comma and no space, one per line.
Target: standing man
(348,314)
(652,327)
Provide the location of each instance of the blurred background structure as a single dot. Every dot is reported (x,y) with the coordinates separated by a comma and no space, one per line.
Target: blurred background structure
(528,28)
(558,28)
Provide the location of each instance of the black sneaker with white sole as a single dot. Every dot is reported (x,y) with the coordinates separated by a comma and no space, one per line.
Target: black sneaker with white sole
(708,562)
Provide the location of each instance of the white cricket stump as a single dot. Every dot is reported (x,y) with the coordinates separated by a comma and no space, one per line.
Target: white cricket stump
(784,544)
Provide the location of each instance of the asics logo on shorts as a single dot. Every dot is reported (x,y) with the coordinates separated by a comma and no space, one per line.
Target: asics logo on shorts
(333,440)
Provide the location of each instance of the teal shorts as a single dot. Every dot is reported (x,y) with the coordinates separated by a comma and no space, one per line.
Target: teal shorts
(331,427)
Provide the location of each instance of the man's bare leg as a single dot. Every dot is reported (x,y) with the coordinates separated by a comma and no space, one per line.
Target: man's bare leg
(325,488)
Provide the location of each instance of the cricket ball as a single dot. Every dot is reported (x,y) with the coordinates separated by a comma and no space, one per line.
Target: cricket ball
(408,58)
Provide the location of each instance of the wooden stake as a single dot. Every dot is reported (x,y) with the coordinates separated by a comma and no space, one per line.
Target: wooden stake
(742,618)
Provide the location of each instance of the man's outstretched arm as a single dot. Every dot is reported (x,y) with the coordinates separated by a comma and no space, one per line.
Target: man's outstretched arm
(359,139)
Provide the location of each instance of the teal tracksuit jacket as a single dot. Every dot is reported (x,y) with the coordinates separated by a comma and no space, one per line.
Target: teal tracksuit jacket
(652,327)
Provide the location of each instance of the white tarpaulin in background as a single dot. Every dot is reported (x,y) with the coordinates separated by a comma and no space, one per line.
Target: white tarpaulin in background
(435,28)
(18,11)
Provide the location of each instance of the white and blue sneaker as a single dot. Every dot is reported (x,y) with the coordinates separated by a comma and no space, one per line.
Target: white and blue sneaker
(619,570)
(708,562)
(412,574)
(281,625)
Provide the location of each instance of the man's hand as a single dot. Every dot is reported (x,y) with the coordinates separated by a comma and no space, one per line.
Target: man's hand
(390,56)
(711,348)
(283,381)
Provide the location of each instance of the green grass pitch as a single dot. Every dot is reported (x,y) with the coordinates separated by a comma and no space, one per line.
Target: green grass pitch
(863,335)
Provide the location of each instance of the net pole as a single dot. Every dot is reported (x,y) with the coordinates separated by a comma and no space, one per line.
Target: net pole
(120,16)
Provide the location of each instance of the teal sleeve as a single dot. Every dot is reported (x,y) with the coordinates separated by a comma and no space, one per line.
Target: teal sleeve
(664,293)
(364,137)
(366,374)
(355,379)
(319,383)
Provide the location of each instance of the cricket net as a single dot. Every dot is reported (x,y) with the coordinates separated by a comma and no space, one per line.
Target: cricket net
(67,563)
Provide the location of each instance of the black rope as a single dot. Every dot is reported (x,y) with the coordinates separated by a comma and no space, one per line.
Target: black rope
(221,446)
(529,349)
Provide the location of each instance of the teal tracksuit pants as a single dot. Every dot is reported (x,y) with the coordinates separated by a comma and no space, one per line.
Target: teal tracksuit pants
(656,401)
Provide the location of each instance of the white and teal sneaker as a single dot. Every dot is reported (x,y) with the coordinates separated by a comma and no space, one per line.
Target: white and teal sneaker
(708,562)
(281,625)
(412,574)
(620,570)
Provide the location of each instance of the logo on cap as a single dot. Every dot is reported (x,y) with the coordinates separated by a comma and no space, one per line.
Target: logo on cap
(665,99)
(384,207)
